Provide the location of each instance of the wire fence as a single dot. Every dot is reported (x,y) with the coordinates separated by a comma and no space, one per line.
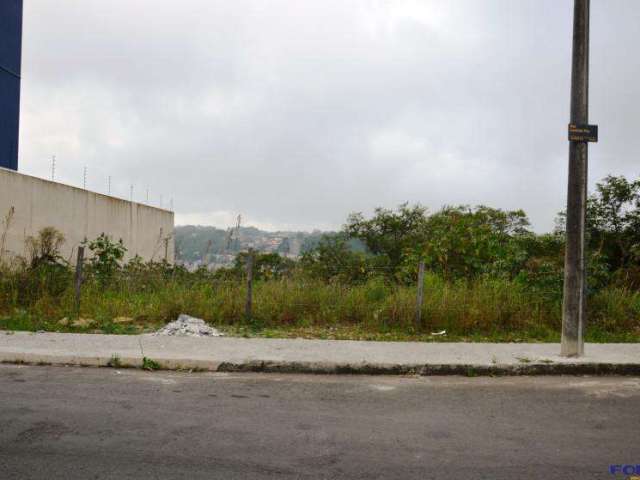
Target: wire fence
(158,292)
(150,198)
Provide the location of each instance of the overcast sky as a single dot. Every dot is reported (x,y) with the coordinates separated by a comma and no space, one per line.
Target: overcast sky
(295,113)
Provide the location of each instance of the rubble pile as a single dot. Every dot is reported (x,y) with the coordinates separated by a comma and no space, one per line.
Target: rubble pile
(188,326)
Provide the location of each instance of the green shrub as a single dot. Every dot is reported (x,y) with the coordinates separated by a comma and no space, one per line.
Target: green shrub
(106,256)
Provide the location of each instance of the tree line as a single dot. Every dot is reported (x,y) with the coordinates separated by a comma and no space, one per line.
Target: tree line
(463,242)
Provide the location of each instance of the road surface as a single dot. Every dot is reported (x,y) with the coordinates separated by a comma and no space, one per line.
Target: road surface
(85,423)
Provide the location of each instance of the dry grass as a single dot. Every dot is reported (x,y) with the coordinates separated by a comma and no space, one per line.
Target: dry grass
(483,309)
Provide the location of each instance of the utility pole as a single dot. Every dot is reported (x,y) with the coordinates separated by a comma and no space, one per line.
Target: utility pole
(580,132)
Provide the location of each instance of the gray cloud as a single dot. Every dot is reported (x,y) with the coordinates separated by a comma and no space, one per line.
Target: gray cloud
(296,113)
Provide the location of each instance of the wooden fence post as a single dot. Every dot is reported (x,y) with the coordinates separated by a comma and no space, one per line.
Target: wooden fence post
(78,279)
(248,303)
(420,296)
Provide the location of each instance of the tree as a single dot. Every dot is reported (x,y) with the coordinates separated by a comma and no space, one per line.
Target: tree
(613,221)
(389,233)
(463,241)
(333,258)
(266,266)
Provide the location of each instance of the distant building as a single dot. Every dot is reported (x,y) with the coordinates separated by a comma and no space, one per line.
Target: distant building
(10,62)
(29,204)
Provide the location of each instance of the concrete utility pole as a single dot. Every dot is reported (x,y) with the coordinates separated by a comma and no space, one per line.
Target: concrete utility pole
(573,308)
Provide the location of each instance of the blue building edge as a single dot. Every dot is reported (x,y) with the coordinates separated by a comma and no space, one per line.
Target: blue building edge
(10,67)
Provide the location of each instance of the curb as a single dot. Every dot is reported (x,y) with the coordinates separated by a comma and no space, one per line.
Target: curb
(469,370)
(256,366)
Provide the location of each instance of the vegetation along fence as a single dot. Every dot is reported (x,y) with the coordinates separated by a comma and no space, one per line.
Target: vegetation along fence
(473,273)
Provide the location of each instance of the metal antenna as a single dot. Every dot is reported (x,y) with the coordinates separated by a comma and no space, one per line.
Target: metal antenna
(171,204)
(84,178)
(109,185)
(237,231)
(147,200)
(53,167)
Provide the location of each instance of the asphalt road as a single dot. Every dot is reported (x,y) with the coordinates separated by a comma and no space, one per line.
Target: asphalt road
(83,423)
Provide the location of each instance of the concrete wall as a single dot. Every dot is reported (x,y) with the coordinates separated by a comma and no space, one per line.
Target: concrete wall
(32,203)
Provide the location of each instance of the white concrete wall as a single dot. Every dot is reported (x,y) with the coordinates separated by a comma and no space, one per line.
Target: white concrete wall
(79,214)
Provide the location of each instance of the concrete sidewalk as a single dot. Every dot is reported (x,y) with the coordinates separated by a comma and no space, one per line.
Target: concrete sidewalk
(313,356)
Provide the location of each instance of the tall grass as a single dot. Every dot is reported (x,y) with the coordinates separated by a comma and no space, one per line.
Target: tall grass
(491,308)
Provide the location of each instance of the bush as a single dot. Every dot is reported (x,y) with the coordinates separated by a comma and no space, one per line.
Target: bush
(106,257)
(44,249)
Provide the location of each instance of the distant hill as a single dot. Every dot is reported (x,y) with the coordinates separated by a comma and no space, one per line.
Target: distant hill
(195,243)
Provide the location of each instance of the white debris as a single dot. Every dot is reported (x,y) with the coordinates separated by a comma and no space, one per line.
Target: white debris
(437,334)
(188,326)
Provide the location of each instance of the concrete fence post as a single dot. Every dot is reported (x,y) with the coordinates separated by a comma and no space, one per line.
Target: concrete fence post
(249,301)
(78,277)
(420,295)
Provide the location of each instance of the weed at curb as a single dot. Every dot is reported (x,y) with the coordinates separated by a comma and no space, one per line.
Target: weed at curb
(148,364)
(114,362)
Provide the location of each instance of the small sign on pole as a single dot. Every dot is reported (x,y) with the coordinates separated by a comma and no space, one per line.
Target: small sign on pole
(583,133)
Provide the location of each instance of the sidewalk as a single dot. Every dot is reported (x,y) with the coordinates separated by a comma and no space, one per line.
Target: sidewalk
(225,354)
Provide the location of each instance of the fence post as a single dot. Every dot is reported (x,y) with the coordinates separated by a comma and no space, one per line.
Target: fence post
(420,296)
(78,279)
(248,303)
